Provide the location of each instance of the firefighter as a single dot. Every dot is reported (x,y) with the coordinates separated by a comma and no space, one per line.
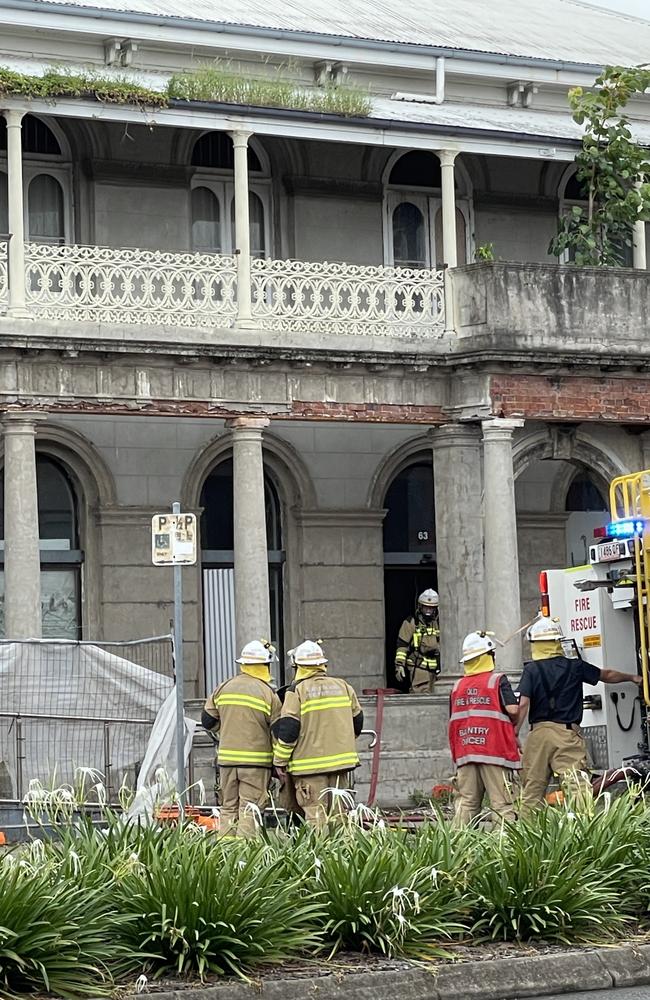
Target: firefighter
(315,735)
(418,646)
(242,711)
(482,736)
(551,696)
(286,799)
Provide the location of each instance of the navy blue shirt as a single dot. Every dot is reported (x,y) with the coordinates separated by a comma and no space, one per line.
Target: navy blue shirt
(564,679)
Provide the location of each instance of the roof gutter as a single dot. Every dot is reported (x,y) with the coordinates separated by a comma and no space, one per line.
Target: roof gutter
(383,124)
(367,44)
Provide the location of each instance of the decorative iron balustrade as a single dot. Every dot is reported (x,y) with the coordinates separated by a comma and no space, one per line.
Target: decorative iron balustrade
(197,290)
(105,284)
(347,298)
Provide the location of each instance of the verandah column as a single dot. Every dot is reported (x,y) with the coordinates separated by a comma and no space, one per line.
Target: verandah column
(252,610)
(242,228)
(459,537)
(16,250)
(22,566)
(639,243)
(447,159)
(502,605)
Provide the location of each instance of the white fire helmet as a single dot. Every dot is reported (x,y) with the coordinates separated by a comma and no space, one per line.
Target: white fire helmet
(476,644)
(307,654)
(257,651)
(545,629)
(429,598)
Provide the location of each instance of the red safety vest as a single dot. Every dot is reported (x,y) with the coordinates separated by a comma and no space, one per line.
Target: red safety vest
(480,732)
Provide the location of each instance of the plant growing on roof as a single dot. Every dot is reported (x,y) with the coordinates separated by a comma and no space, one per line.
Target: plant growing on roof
(612,168)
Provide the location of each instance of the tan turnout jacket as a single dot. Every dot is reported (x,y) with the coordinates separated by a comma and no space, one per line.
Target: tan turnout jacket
(321,737)
(245,708)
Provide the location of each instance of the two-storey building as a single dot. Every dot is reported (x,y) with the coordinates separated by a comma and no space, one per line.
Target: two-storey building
(273,305)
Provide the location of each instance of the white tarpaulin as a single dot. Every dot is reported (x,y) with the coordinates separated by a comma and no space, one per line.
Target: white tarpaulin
(99,705)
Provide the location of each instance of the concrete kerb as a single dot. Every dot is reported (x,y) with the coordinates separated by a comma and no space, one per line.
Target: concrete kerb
(496,979)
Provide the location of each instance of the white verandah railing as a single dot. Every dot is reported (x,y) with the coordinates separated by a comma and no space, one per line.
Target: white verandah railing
(199,290)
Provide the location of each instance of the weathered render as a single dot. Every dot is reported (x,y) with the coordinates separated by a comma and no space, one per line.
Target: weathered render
(284,320)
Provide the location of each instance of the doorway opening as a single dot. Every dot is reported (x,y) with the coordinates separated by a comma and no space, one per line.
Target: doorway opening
(409,550)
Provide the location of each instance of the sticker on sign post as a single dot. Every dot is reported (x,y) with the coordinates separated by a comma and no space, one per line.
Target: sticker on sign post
(173,540)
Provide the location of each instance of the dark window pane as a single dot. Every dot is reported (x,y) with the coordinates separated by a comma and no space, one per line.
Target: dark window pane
(409,245)
(575,190)
(256,224)
(217,529)
(584,495)
(57,507)
(36,137)
(410,525)
(45,209)
(215,150)
(206,225)
(417,169)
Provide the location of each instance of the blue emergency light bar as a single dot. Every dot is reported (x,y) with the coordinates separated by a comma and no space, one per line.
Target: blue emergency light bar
(630,528)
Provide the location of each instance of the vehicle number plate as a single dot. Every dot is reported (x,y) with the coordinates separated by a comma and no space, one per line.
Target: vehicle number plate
(611,550)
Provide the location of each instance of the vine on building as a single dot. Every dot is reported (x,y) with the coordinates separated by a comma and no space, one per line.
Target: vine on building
(612,169)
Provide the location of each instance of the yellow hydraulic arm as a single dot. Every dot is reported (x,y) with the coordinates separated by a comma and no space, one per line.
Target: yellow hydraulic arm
(629,498)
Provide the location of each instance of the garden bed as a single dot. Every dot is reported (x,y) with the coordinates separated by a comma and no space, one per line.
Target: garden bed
(164,910)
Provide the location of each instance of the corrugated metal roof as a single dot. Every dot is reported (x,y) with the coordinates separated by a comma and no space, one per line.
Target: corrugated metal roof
(558,30)
(503,120)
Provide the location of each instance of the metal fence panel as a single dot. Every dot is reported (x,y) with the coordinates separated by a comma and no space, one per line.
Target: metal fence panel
(219,625)
(67,705)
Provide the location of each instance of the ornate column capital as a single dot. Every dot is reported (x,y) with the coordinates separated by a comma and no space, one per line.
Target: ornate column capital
(21,421)
(257,425)
(500,428)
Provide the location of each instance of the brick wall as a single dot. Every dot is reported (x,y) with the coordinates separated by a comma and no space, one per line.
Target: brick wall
(571,397)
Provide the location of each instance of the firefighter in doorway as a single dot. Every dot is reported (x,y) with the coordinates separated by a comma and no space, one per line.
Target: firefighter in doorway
(418,646)
(550,696)
(242,711)
(482,736)
(315,734)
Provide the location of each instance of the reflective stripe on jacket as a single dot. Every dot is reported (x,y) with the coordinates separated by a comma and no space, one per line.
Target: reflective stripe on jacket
(322,709)
(418,645)
(480,731)
(245,708)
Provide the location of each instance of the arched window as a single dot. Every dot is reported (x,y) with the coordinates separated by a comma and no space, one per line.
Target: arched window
(409,548)
(256,222)
(413,201)
(584,495)
(46,181)
(4,205)
(206,222)
(46,222)
(61,557)
(217,557)
(213,228)
(215,151)
(409,243)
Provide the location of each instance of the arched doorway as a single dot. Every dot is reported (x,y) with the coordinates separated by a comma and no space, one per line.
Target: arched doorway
(413,211)
(218,560)
(559,504)
(61,555)
(409,547)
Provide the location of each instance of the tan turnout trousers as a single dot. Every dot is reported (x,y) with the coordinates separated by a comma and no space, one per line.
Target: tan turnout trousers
(317,804)
(244,794)
(473,781)
(422,681)
(550,749)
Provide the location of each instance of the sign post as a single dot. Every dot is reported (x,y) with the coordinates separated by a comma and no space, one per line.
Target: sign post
(173,543)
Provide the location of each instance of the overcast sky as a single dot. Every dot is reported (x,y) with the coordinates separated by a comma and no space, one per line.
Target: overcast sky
(640,8)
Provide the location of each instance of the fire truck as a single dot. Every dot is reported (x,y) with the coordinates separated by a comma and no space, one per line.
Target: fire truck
(603,608)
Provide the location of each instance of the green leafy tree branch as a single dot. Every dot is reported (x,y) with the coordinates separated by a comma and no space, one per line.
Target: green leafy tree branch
(612,169)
